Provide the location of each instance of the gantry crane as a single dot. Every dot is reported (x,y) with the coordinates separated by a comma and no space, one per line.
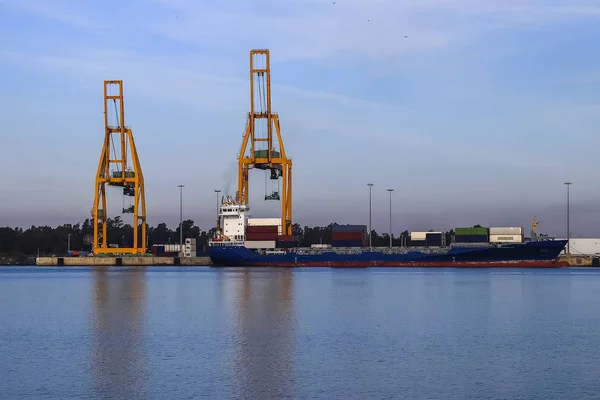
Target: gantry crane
(259,150)
(113,170)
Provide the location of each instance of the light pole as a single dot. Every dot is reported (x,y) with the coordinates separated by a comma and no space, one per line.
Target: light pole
(180,217)
(370,185)
(69,243)
(568,217)
(390,190)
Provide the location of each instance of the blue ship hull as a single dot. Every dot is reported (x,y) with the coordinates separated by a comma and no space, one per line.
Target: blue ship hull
(533,254)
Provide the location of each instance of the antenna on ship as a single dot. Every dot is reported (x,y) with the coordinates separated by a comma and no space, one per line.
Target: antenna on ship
(259,149)
(113,170)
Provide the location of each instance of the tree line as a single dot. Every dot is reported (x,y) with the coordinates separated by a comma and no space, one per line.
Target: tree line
(46,241)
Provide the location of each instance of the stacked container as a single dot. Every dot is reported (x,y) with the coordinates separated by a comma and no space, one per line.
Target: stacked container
(433,239)
(270,222)
(418,239)
(262,233)
(471,235)
(189,249)
(254,233)
(506,235)
(285,241)
(348,235)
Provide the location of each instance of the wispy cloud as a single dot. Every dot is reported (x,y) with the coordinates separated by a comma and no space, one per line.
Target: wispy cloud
(434,111)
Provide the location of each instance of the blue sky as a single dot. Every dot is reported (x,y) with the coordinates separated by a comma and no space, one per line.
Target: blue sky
(478,116)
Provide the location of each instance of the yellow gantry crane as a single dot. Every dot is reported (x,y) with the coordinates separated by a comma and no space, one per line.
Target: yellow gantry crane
(113,170)
(259,150)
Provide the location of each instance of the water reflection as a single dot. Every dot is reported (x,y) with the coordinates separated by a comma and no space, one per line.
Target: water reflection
(262,362)
(118,365)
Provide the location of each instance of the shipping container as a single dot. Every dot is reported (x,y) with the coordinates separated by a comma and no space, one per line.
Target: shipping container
(261,236)
(285,244)
(347,235)
(260,244)
(418,235)
(262,229)
(506,231)
(285,238)
(470,239)
(347,243)
(349,228)
(417,243)
(583,246)
(264,221)
(470,231)
(265,153)
(506,238)
(434,239)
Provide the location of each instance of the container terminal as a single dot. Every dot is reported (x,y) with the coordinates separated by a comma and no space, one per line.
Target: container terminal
(244,241)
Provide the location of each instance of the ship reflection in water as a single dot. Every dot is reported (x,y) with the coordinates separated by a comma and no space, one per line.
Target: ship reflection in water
(117,339)
(263,317)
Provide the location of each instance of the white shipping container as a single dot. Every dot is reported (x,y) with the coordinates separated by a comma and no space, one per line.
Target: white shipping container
(583,246)
(506,238)
(260,244)
(510,230)
(418,235)
(264,221)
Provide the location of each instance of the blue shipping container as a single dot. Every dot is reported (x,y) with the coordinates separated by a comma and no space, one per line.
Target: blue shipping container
(347,243)
(434,240)
(349,228)
(417,243)
(471,239)
(285,244)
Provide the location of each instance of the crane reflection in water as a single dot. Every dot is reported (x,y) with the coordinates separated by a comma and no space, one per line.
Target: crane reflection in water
(118,362)
(264,317)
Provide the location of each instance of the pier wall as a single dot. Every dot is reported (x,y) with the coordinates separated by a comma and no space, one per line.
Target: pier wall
(121,261)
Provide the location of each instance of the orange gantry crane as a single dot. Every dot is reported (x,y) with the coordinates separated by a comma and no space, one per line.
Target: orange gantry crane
(113,170)
(259,149)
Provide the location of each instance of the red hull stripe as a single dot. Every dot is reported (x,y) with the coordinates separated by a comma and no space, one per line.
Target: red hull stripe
(416,264)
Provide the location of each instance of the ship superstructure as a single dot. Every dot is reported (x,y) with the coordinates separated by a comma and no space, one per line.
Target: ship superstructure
(231,223)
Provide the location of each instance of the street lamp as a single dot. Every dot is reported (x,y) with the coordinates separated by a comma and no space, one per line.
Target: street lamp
(568,217)
(390,190)
(370,185)
(180,216)
(69,244)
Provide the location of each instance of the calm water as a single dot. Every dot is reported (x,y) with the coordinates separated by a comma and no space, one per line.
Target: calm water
(306,334)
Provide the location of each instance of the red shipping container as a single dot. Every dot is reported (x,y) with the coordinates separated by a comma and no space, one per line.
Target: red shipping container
(285,238)
(347,236)
(262,229)
(261,236)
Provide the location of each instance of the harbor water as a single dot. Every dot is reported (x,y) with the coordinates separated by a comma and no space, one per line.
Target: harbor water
(195,332)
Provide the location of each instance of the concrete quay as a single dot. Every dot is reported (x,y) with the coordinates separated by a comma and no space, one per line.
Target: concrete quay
(121,261)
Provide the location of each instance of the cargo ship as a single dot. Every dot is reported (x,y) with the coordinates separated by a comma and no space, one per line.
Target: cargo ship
(242,241)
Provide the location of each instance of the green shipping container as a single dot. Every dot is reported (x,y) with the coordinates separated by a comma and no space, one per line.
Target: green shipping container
(470,231)
(128,174)
(264,154)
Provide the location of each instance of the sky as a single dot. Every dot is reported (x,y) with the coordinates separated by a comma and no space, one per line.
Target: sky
(474,111)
